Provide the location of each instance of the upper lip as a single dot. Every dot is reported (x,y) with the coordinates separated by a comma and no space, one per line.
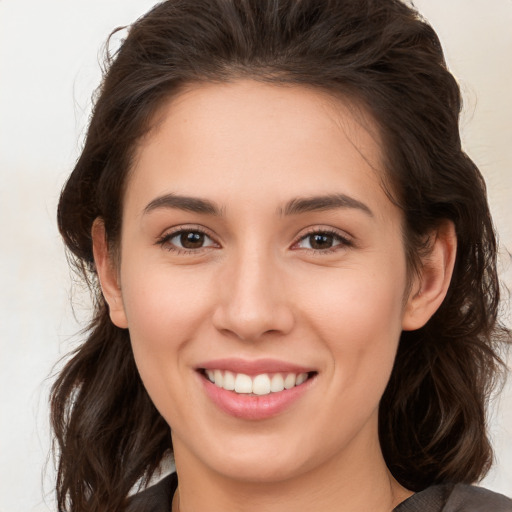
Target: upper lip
(253,367)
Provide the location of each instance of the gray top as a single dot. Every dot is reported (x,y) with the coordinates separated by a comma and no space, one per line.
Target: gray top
(455,498)
(439,498)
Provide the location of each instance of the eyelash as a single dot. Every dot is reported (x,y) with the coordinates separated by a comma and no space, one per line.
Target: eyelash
(344,241)
(165,240)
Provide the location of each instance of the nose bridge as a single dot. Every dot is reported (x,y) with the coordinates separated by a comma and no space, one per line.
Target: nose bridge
(254,299)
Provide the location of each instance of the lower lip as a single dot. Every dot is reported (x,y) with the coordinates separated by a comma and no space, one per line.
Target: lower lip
(254,407)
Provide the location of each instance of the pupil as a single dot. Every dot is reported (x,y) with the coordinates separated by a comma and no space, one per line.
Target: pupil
(192,240)
(321,241)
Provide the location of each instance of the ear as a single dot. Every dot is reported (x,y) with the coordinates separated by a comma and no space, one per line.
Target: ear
(431,285)
(108,275)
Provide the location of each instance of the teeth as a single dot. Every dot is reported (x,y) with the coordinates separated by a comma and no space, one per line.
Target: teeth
(277,383)
(289,381)
(243,383)
(219,380)
(229,381)
(262,384)
(302,377)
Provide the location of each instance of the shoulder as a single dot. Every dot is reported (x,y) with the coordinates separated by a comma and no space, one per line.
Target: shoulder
(476,499)
(456,498)
(157,498)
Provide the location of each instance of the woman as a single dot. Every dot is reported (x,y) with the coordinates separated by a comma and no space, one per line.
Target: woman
(294,269)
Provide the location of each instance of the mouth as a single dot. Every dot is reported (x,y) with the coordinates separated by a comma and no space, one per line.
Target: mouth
(256,385)
(255,389)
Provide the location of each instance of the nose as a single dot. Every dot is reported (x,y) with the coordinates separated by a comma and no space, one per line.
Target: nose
(252,298)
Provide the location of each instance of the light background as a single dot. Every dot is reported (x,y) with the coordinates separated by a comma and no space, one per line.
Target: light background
(49,54)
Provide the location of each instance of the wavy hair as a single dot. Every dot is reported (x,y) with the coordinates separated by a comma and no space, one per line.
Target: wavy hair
(382,55)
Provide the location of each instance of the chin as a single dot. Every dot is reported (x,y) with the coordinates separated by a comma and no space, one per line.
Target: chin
(265,460)
(259,470)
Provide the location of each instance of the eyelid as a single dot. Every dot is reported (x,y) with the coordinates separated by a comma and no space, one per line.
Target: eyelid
(163,240)
(169,233)
(345,239)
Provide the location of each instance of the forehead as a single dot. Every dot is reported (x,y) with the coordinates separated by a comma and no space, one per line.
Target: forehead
(258,140)
(283,109)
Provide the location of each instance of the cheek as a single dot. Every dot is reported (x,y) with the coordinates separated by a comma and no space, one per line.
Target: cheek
(359,317)
(358,304)
(165,310)
(163,304)
(163,316)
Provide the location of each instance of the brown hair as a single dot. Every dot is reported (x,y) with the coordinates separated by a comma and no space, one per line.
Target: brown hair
(382,54)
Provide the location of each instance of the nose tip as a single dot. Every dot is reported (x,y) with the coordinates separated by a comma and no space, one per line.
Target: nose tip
(253,325)
(253,304)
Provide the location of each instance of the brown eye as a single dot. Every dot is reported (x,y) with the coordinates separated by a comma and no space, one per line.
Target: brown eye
(188,240)
(192,239)
(322,241)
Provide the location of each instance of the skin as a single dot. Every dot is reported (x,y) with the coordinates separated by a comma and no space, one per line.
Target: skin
(256,289)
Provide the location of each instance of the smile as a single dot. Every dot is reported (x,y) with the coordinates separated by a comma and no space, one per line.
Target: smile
(261,384)
(255,390)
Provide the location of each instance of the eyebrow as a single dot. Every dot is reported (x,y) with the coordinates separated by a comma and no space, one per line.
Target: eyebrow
(191,204)
(321,203)
(293,207)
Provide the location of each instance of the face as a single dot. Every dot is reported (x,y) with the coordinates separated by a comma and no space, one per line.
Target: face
(262,278)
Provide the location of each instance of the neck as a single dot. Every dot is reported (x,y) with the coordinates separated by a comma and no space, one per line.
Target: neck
(347,482)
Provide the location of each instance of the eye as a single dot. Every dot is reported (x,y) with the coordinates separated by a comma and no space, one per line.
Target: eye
(186,240)
(322,241)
